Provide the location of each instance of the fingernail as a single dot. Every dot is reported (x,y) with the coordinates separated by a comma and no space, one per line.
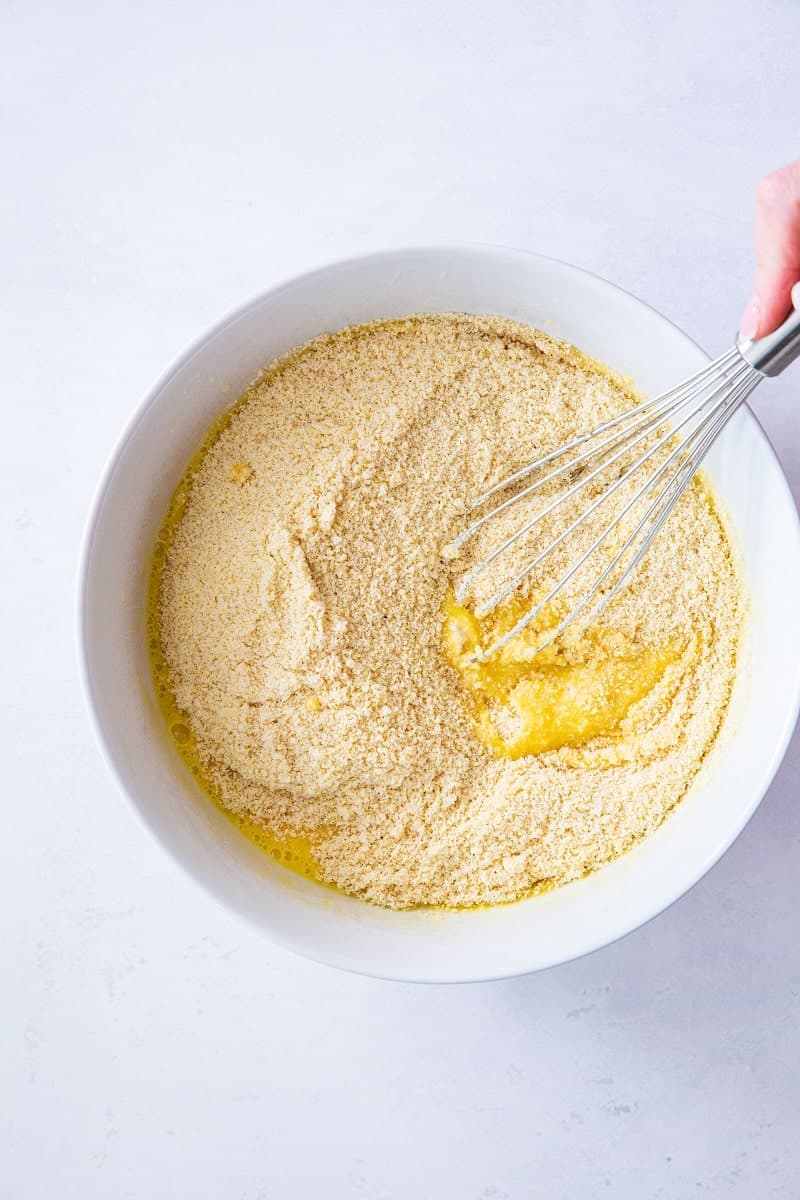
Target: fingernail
(748,326)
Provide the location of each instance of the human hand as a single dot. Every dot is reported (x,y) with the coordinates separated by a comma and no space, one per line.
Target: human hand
(777,238)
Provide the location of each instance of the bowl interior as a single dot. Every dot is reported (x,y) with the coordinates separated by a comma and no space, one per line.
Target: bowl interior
(606,323)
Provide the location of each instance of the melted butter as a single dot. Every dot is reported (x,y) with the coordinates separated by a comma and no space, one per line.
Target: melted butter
(566,695)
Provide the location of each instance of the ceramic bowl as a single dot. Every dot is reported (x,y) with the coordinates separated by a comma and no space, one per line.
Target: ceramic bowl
(432,946)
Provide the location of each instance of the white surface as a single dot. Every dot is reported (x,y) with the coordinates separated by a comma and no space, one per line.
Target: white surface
(166,162)
(427,946)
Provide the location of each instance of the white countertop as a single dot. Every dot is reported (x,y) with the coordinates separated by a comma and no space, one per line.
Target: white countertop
(164,162)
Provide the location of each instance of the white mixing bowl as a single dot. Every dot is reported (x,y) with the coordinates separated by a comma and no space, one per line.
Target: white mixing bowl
(432,946)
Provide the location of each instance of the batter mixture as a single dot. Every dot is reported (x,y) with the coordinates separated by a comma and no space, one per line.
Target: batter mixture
(318,673)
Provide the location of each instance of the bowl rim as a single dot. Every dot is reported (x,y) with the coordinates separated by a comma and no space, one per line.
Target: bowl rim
(644,914)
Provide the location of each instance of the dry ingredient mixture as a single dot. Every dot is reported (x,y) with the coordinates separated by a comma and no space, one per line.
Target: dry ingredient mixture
(315,666)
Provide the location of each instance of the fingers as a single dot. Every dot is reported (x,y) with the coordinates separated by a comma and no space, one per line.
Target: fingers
(777,238)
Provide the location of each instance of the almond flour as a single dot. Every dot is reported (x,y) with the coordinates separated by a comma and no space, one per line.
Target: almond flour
(299,615)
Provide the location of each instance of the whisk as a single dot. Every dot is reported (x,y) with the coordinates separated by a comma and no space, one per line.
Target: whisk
(682,424)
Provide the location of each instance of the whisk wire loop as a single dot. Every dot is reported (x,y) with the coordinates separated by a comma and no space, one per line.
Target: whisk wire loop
(692,415)
(646,417)
(498,597)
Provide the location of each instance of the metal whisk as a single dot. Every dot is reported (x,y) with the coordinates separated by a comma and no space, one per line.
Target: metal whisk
(682,423)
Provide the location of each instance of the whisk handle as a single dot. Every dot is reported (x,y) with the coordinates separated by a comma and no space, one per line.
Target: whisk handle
(772,353)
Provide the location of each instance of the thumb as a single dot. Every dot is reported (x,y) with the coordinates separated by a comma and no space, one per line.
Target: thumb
(777,238)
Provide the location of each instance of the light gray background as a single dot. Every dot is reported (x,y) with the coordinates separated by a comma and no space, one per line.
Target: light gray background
(163,161)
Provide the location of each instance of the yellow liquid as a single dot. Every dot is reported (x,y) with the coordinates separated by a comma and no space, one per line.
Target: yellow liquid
(529,703)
